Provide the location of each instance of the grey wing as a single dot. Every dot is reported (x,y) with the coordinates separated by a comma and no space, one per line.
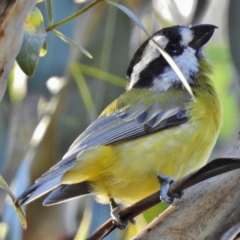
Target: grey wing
(113,129)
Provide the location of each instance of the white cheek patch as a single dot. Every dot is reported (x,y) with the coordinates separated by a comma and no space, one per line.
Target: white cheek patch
(188,64)
(187,36)
(161,40)
(149,54)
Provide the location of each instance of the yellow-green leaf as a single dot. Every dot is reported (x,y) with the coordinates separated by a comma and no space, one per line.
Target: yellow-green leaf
(43,50)
(85,92)
(48,4)
(20,212)
(34,38)
(100,74)
(73,44)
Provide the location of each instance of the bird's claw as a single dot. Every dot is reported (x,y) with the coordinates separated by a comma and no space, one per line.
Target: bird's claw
(115,209)
(165,182)
(118,222)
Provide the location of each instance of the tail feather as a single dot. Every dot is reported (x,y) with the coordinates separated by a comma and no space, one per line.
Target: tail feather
(26,194)
(66,192)
(37,190)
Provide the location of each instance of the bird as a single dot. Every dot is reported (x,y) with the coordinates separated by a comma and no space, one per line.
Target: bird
(153,133)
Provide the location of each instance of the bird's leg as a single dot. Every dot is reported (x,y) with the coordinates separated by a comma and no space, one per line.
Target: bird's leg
(165,182)
(115,209)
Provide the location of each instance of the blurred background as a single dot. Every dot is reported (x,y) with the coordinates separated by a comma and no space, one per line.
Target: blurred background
(69,90)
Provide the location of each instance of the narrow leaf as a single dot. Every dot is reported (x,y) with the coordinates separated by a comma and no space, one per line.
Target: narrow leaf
(175,68)
(84,90)
(99,74)
(73,44)
(49,8)
(130,14)
(18,209)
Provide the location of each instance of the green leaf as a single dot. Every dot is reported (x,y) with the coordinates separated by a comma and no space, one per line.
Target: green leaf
(129,14)
(99,74)
(48,4)
(43,50)
(84,90)
(20,212)
(73,44)
(34,38)
(175,68)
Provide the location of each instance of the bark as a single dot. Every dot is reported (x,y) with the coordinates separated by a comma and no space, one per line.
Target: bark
(12,19)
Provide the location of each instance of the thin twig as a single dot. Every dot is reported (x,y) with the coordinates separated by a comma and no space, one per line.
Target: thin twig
(72,16)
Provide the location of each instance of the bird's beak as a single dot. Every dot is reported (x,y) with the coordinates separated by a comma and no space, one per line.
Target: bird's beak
(201,35)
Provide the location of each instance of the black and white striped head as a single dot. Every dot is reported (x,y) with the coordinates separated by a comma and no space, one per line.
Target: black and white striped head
(148,68)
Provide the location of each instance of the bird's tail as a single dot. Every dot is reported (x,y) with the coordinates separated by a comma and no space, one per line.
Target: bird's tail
(60,192)
(37,190)
(66,192)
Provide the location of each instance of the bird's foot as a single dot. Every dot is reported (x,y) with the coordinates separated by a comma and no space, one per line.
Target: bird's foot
(115,209)
(118,222)
(165,182)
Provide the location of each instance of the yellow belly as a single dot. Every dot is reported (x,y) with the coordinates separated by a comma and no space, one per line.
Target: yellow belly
(128,171)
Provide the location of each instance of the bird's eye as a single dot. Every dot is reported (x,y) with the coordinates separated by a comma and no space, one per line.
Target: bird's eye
(173,47)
